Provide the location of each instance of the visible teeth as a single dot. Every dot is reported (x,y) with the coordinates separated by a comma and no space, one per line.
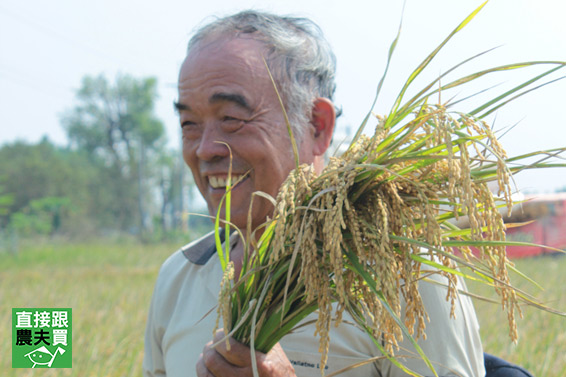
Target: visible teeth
(220,182)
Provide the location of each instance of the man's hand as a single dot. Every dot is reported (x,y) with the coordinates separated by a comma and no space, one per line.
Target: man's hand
(220,362)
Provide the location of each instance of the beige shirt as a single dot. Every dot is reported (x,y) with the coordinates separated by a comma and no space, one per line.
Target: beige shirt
(183,314)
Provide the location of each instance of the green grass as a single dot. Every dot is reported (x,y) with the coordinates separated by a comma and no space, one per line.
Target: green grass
(542,336)
(109,287)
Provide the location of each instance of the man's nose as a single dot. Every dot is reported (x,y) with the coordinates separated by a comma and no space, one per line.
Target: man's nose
(212,145)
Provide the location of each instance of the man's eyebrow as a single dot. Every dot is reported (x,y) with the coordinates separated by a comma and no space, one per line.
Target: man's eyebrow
(180,106)
(238,99)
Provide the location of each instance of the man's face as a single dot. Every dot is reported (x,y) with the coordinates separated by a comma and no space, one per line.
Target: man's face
(226,96)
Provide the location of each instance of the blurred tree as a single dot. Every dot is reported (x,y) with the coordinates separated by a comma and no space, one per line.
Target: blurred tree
(5,201)
(31,173)
(116,125)
(41,216)
(167,187)
(175,187)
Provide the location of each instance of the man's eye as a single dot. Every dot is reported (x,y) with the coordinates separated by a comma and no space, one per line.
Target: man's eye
(232,124)
(190,130)
(187,123)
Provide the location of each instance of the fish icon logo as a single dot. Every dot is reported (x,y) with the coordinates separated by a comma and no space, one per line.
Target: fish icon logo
(42,356)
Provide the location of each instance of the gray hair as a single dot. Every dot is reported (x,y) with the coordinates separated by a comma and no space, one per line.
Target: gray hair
(298,55)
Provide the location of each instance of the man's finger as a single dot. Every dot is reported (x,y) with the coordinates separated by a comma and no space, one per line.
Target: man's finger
(238,354)
(216,365)
(202,370)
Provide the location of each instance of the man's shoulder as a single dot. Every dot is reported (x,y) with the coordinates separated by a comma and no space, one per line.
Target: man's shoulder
(196,252)
(182,265)
(201,250)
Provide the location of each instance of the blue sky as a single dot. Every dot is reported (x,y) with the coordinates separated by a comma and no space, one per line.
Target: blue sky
(47,47)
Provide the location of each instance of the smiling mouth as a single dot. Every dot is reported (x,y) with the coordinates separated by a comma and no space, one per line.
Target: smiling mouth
(217,182)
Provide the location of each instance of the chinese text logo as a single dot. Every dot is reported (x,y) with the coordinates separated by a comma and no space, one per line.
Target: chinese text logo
(41,338)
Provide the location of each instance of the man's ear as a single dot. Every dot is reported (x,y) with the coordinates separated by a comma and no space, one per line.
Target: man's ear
(323,119)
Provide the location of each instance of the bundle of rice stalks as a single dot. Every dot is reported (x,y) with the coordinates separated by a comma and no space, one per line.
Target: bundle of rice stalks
(355,237)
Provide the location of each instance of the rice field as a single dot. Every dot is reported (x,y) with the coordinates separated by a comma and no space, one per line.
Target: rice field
(109,287)
(541,348)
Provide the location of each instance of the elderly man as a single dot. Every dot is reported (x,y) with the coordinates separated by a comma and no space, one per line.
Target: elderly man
(226,98)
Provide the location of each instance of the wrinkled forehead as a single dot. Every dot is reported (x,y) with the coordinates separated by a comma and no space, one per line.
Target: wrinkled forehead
(236,50)
(229,43)
(226,68)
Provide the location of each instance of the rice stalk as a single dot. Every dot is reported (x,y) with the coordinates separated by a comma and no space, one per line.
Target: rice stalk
(355,237)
